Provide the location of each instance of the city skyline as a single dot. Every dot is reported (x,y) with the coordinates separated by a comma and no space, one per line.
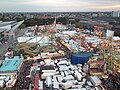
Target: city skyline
(58,5)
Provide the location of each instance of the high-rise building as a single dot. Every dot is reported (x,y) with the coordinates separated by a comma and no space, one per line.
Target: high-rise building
(116,13)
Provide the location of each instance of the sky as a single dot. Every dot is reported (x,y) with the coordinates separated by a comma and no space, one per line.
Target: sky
(58,5)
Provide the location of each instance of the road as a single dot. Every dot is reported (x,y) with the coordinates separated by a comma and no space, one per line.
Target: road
(4,47)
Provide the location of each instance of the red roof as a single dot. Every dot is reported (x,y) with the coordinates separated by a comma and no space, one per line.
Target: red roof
(36,82)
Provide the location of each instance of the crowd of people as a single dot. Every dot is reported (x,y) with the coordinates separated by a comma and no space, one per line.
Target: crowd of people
(23,82)
(113,82)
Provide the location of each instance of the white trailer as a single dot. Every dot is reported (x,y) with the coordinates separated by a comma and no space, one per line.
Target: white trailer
(66,85)
(56,85)
(95,80)
(40,85)
(48,81)
(78,75)
(59,77)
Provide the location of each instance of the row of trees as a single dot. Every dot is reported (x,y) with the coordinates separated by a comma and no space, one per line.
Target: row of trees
(61,20)
(42,21)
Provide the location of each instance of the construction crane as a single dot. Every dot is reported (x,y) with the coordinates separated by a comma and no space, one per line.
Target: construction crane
(30,49)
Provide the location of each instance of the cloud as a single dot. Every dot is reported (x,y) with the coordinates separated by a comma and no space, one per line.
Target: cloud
(58,5)
(109,7)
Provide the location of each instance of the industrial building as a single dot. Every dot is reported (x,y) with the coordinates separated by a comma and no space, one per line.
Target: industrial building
(116,13)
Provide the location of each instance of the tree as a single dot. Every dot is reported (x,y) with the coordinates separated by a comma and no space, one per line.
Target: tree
(22,26)
(78,26)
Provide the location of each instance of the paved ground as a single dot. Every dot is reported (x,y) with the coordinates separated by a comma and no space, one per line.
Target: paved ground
(4,47)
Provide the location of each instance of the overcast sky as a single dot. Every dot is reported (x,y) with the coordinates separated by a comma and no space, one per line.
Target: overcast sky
(58,5)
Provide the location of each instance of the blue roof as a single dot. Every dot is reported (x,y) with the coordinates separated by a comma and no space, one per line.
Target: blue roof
(80,58)
(82,54)
(72,28)
(10,65)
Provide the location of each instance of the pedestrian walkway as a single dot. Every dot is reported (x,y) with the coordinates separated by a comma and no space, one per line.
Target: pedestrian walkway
(3,50)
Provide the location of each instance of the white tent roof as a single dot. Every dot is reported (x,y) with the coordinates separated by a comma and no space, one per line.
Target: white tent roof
(44,39)
(116,38)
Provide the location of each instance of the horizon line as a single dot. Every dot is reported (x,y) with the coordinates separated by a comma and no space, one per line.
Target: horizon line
(50,11)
